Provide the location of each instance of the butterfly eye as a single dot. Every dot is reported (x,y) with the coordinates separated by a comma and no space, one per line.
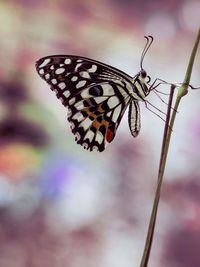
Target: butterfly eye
(143,73)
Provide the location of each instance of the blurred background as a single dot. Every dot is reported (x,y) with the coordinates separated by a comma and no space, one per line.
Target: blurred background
(63,206)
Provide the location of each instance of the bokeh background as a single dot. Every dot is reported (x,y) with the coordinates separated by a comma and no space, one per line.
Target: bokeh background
(63,206)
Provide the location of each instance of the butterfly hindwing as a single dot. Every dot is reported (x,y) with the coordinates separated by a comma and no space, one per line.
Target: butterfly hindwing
(96,96)
(94,118)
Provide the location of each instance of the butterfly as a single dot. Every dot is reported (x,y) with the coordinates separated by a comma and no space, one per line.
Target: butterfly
(96,95)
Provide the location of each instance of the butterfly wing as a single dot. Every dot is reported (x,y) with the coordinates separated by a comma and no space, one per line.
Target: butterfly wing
(95,119)
(96,96)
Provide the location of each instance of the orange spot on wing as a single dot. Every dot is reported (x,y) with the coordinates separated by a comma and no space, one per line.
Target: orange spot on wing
(105,123)
(96,124)
(61,78)
(100,109)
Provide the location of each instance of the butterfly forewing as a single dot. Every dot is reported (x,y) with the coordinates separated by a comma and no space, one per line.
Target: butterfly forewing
(72,74)
(96,95)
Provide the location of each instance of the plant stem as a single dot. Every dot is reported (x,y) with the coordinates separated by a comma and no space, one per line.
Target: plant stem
(151,227)
(183,90)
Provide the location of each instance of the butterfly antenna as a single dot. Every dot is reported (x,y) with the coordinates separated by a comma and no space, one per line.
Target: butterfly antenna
(149,41)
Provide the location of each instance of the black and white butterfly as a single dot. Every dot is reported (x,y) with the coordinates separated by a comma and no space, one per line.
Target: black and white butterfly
(96,95)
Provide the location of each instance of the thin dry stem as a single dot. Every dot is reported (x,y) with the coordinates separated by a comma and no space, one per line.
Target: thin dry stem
(183,90)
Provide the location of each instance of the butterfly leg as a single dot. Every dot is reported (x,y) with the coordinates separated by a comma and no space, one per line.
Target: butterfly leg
(192,87)
(154,85)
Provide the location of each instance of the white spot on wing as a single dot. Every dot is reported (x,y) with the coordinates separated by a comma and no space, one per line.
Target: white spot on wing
(107,89)
(45,62)
(47,76)
(62,100)
(67,61)
(66,93)
(100,99)
(69,112)
(93,68)
(77,66)
(79,105)
(54,81)
(116,113)
(78,116)
(85,74)
(89,135)
(86,123)
(85,94)
(77,137)
(85,145)
(80,84)
(62,85)
(74,78)
(52,67)
(55,90)
(99,137)
(72,101)
(41,71)
(59,71)
(72,125)
(113,102)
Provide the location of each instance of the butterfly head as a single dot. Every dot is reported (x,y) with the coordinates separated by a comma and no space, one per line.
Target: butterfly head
(143,77)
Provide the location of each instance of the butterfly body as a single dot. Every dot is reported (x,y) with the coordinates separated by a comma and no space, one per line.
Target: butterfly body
(96,96)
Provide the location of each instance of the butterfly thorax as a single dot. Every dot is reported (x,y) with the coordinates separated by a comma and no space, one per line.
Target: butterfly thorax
(140,86)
